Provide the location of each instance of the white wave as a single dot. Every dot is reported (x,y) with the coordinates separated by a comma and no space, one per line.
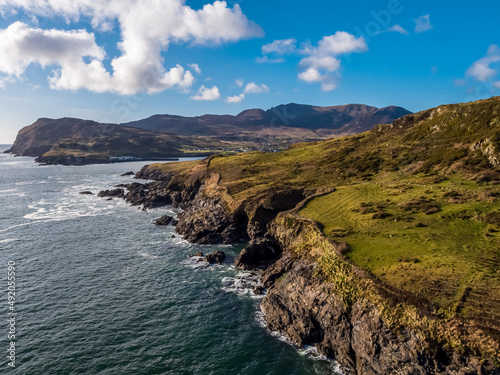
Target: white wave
(312,352)
(25,183)
(67,209)
(195,263)
(242,284)
(12,192)
(24,225)
(8,191)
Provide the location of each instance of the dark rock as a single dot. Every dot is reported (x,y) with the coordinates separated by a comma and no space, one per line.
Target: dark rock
(116,193)
(206,221)
(127,174)
(258,254)
(216,257)
(277,270)
(258,290)
(175,222)
(164,220)
(172,236)
(86,193)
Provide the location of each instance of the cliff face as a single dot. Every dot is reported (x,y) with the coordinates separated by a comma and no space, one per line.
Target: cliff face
(346,317)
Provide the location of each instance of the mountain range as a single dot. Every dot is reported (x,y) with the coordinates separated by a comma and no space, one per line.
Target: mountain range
(76,141)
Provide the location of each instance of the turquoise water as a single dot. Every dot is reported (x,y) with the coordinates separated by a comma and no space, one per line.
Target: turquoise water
(100,290)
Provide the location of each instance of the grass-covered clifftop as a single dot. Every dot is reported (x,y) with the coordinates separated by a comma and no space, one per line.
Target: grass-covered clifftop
(417,202)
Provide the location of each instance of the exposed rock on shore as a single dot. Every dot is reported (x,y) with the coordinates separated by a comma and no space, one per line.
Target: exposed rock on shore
(164,220)
(115,193)
(216,257)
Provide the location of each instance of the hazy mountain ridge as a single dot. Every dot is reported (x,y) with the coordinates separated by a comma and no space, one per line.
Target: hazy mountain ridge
(319,121)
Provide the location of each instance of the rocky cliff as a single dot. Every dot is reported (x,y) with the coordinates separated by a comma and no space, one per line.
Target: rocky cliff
(314,295)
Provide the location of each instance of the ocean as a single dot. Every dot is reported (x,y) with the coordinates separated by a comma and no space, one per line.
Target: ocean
(101,290)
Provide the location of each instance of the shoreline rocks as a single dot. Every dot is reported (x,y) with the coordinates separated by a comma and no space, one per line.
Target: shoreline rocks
(216,257)
(164,220)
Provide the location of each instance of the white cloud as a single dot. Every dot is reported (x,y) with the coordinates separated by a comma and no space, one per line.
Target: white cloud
(328,63)
(205,93)
(496,85)
(423,23)
(398,29)
(280,47)
(267,60)
(147,29)
(195,67)
(481,70)
(239,82)
(235,99)
(311,75)
(253,88)
(328,86)
(324,57)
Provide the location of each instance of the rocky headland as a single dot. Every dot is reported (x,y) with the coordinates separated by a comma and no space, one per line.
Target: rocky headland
(315,293)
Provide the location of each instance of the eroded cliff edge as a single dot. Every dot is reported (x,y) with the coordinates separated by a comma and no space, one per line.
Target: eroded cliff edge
(315,296)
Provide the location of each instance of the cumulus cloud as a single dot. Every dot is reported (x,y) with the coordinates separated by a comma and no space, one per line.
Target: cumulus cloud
(423,23)
(205,94)
(236,99)
(280,47)
(195,67)
(253,88)
(481,70)
(324,58)
(147,29)
(398,29)
(311,75)
(239,82)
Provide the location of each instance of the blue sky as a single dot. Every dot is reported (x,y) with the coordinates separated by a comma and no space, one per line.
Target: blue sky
(122,60)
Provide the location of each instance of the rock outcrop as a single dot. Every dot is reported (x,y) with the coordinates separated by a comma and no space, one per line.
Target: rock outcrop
(164,220)
(260,253)
(216,257)
(207,222)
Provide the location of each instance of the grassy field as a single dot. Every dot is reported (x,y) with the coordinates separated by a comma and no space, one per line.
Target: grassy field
(440,241)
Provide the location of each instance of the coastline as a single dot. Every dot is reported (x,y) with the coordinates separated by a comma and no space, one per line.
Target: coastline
(348,315)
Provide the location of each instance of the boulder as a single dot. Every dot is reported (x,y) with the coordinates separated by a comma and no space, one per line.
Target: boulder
(164,220)
(115,193)
(216,257)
